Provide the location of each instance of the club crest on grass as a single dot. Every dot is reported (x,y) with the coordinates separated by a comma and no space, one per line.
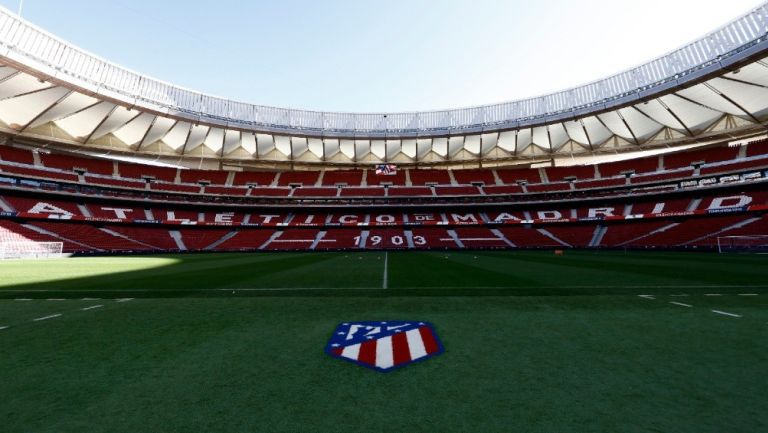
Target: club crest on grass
(384,346)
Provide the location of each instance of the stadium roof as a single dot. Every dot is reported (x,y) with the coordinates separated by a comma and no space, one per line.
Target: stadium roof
(712,88)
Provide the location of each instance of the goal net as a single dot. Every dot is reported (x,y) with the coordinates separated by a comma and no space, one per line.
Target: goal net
(30,250)
(745,243)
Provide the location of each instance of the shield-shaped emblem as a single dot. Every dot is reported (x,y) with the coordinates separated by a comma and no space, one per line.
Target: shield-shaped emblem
(384,346)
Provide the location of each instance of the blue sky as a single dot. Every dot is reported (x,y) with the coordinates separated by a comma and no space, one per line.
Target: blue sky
(367,56)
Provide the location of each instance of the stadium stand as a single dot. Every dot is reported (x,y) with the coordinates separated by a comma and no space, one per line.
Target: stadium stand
(14,154)
(679,209)
(214,177)
(581,172)
(138,171)
(261,178)
(514,175)
(432,177)
(397,178)
(342,177)
(72,163)
(301,178)
(469,177)
(637,166)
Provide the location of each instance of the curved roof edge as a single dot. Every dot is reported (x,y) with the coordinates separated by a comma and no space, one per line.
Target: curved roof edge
(37,49)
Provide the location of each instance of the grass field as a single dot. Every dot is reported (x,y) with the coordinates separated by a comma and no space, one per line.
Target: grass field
(533,343)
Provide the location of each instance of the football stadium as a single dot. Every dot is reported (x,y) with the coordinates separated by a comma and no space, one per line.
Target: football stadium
(592,259)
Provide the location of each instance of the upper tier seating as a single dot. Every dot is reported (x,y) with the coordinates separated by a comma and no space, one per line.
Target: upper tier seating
(557,174)
(409,191)
(467,177)
(303,178)
(677,166)
(261,178)
(456,190)
(226,190)
(503,189)
(160,186)
(214,177)
(685,159)
(109,181)
(645,178)
(316,192)
(513,175)
(374,191)
(549,187)
(601,183)
(398,178)
(346,177)
(640,165)
(423,177)
(735,166)
(137,171)
(38,172)
(71,163)
(758,148)
(14,154)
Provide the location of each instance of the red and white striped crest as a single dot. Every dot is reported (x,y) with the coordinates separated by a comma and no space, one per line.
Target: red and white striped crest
(384,346)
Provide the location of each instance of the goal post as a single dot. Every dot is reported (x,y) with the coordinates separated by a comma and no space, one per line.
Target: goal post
(745,243)
(30,250)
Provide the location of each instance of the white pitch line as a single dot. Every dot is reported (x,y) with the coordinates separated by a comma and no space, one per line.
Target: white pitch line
(679,295)
(725,313)
(91,299)
(124,300)
(681,304)
(647,296)
(46,317)
(91,307)
(22,299)
(385,281)
(747,294)
(55,299)
(3,327)
(712,294)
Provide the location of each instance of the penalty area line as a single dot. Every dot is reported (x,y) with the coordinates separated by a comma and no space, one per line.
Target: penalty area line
(681,304)
(91,307)
(46,317)
(724,313)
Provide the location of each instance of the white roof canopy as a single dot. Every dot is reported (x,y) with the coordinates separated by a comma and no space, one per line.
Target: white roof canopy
(714,87)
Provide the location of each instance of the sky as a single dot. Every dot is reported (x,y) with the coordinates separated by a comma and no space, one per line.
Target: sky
(366,56)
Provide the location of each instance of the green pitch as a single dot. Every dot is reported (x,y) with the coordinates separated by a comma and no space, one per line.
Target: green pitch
(534,343)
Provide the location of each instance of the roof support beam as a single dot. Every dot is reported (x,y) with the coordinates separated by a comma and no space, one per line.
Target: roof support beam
(101,122)
(31,92)
(736,104)
(42,113)
(631,132)
(146,133)
(679,120)
(586,134)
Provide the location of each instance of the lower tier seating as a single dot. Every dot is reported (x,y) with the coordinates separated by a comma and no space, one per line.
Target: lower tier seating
(691,232)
